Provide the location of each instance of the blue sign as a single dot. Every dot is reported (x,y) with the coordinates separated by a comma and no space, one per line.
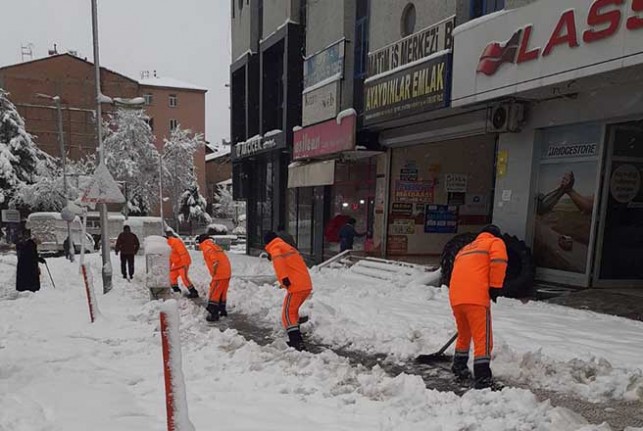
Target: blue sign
(441,219)
(324,65)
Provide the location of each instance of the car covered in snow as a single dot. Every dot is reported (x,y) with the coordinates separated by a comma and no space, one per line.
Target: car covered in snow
(50,231)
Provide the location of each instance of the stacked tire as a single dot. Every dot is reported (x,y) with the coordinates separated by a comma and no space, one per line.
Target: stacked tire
(521,270)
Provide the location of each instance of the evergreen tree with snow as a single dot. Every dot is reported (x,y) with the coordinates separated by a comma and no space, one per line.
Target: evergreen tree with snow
(20,159)
(130,156)
(192,206)
(178,164)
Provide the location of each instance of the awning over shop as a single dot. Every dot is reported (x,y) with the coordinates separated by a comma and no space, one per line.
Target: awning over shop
(311,174)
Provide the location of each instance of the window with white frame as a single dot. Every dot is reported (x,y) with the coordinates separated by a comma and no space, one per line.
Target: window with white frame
(173,124)
(173,101)
(148,98)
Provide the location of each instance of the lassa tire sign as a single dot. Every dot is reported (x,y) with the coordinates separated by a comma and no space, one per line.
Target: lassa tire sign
(554,40)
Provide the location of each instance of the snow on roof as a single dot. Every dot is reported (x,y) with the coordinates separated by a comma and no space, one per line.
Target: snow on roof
(169,83)
(220,152)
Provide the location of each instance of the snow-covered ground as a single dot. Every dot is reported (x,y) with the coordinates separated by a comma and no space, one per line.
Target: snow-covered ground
(59,372)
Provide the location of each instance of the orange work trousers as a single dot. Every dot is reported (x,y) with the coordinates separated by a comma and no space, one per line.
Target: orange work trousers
(182,272)
(219,291)
(473,322)
(290,309)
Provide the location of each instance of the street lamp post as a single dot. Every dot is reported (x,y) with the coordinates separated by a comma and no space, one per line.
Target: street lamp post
(63,157)
(107,267)
(161,193)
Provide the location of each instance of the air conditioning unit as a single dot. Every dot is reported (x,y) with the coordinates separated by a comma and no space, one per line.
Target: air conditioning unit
(506,117)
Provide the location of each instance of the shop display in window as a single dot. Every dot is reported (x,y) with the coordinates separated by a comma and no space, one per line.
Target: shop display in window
(441,219)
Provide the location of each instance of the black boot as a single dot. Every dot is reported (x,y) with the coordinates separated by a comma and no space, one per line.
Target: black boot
(295,340)
(176,289)
(192,293)
(222,310)
(213,312)
(484,378)
(460,368)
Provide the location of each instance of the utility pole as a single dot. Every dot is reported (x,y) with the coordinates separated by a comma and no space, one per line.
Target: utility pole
(107,264)
(161,193)
(63,161)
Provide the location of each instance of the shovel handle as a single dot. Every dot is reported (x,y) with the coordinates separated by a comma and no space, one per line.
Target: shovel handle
(446,346)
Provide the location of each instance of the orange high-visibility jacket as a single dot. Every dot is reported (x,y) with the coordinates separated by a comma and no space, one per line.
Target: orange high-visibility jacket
(216,260)
(478,267)
(180,255)
(289,263)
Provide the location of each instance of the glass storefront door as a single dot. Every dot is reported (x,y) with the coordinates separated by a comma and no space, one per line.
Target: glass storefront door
(619,261)
(567,183)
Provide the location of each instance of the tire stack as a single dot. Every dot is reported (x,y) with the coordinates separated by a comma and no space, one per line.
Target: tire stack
(521,270)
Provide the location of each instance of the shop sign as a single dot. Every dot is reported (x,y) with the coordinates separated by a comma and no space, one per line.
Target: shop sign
(455,183)
(397,244)
(441,219)
(557,151)
(258,145)
(545,43)
(325,138)
(412,90)
(11,216)
(402,208)
(625,183)
(402,227)
(320,104)
(414,191)
(426,42)
(324,66)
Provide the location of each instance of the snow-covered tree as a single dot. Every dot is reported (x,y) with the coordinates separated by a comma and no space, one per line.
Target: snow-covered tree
(48,192)
(131,156)
(192,206)
(20,159)
(178,163)
(224,206)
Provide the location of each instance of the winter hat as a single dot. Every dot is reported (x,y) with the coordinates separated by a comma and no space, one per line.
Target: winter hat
(201,238)
(492,229)
(268,237)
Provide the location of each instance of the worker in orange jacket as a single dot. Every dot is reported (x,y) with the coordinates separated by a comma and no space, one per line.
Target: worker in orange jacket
(219,266)
(292,275)
(180,262)
(478,275)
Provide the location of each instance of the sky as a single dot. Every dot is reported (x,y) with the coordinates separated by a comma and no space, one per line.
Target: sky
(188,40)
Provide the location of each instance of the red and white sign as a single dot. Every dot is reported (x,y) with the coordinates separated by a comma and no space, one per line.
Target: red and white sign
(544,43)
(325,138)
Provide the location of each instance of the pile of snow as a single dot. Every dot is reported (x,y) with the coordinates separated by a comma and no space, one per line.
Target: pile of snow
(218,228)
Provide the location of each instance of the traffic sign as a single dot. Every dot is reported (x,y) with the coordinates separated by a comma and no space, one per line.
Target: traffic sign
(102,188)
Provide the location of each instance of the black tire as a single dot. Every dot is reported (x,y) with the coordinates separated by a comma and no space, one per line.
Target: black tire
(521,270)
(449,252)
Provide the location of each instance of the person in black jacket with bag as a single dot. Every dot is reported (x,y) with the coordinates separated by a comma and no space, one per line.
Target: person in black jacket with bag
(28,276)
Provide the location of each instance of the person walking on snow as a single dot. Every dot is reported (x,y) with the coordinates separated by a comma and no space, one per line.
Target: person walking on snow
(292,275)
(127,245)
(347,235)
(478,275)
(219,266)
(180,262)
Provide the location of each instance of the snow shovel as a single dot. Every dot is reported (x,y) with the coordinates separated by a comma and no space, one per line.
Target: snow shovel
(50,277)
(438,356)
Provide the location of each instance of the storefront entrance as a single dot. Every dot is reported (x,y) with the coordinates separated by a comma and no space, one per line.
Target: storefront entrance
(619,261)
(588,222)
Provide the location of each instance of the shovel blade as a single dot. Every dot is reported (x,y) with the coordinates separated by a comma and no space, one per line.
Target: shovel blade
(433,358)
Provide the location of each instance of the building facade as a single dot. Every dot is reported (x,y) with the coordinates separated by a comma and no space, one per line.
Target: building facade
(566,75)
(169,103)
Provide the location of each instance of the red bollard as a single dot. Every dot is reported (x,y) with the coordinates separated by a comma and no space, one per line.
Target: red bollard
(167,371)
(90,302)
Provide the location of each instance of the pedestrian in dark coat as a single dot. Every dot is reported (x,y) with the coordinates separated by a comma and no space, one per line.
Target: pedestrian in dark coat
(347,235)
(127,245)
(28,276)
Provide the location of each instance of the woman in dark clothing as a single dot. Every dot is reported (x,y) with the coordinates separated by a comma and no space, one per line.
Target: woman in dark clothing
(347,235)
(28,277)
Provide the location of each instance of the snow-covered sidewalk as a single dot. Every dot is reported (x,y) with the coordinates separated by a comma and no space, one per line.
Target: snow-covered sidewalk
(59,372)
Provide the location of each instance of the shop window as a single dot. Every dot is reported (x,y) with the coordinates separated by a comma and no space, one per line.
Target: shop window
(408,20)
(484,7)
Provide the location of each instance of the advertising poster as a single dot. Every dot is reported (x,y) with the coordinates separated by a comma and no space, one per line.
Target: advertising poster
(414,191)
(566,198)
(402,208)
(455,183)
(397,244)
(441,219)
(402,227)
